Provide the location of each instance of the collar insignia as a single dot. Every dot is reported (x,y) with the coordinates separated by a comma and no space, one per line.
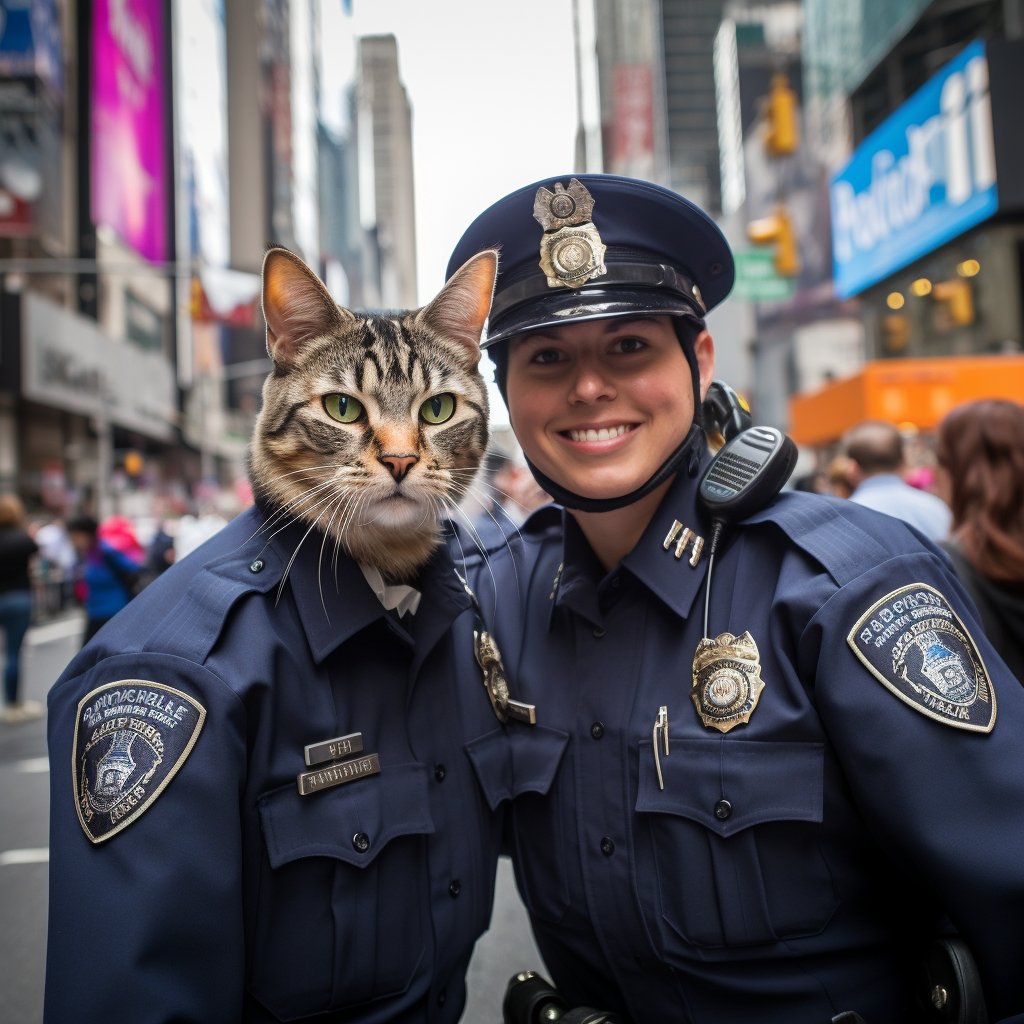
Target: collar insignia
(571,250)
(726,680)
(919,649)
(682,536)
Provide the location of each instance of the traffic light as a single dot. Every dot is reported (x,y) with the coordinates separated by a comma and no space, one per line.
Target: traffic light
(958,300)
(782,127)
(777,230)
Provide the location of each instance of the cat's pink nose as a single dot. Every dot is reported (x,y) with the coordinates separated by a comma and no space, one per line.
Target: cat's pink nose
(399,465)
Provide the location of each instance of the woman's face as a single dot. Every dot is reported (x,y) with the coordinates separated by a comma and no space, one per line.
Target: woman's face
(599,405)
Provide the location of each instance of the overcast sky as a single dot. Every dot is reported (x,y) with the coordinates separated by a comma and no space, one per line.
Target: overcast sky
(493,95)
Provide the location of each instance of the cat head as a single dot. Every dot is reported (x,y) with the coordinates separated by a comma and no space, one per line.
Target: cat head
(372,425)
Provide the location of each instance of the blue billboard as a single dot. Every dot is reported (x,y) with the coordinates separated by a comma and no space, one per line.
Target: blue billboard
(924,176)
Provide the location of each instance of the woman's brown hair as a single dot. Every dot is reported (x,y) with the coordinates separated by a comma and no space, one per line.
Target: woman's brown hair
(12,511)
(981,446)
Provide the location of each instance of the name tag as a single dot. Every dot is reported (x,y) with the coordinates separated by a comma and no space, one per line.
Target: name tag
(333,750)
(338,774)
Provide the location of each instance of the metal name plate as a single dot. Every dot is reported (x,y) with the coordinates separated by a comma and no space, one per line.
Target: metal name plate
(333,750)
(338,774)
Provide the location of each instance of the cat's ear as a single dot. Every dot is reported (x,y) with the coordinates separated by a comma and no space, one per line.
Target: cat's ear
(460,310)
(296,305)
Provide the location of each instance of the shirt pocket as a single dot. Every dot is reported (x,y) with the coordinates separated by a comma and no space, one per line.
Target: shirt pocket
(343,910)
(729,853)
(520,764)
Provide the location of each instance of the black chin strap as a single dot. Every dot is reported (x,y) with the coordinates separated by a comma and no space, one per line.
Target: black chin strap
(688,453)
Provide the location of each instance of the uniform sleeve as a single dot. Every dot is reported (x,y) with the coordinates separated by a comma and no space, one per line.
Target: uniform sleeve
(145,913)
(928,722)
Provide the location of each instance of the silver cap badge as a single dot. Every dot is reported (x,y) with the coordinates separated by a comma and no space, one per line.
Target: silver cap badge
(571,250)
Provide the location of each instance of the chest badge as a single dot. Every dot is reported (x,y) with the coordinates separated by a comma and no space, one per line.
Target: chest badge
(489,659)
(726,680)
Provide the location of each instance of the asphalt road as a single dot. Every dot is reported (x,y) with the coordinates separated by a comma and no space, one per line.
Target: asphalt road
(24,807)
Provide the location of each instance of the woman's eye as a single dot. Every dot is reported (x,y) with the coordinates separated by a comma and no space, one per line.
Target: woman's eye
(545,356)
(631,344)
(343,408)
(438,408)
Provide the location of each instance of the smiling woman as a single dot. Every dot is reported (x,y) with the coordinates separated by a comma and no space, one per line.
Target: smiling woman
(599,406)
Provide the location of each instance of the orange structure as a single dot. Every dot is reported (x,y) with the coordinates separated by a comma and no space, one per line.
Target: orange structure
(913,391)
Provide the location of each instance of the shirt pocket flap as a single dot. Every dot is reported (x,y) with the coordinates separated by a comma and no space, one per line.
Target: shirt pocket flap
(352,822)
(519,760)
(728,785)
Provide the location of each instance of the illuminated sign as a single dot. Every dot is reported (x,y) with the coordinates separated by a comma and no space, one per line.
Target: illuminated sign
(924,176)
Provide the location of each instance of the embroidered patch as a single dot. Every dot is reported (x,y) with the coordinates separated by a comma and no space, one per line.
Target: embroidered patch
(131,737)
(916,646)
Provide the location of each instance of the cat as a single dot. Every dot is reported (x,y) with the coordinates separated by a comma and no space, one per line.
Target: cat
(373,425)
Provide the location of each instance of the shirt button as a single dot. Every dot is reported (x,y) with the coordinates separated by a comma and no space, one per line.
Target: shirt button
(256,565)
(599,632)
(607,846)
(442,997)
(440,772)
(454,888)
(615,581)
(361,842)
(597,730)
(723,809)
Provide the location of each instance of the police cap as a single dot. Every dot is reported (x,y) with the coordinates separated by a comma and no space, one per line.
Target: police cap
(592,246)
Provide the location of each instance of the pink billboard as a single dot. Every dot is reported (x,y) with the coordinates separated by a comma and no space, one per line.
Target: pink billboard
(129,162)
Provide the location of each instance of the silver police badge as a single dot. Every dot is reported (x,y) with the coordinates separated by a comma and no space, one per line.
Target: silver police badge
(488,657)
(571,250)
(726,680)
(131,738)
(918,648)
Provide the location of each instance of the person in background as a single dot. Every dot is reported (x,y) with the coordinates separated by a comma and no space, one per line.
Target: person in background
(58,556)
(875,451)
(838,477)
(17,549)
(749,795)
(105,575)
(981,469)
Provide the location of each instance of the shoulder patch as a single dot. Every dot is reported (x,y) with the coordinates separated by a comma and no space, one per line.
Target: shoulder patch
(131,738)
(917,647)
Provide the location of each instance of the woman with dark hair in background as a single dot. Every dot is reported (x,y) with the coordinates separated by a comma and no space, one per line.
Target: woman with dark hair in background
(981,460)
(17,549)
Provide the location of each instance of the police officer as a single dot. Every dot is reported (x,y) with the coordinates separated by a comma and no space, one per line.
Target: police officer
(264,799)
(757,809)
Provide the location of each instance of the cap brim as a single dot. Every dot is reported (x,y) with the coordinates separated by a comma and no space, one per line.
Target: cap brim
(565,307)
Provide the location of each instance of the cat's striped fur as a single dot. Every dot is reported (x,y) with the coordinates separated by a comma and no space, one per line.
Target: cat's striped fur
(357,436)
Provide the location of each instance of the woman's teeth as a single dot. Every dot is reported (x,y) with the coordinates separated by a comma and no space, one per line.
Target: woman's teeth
(604,434)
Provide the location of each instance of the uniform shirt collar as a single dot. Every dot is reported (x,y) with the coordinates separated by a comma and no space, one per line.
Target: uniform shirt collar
(652,562)
(335,599)
(398,596)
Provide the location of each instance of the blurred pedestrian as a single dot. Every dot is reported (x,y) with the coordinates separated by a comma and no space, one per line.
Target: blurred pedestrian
(877,463)
(981,464)
(838,475)
(160,552)
(58,558)
(106,576)
(17,549)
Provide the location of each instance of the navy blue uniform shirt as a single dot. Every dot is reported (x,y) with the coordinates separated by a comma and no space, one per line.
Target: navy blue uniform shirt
(189,879)
(790,868)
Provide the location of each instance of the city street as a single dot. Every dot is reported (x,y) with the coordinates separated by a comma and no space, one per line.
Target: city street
(24,785)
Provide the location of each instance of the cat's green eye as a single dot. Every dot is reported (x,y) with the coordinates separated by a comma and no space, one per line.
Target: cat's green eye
(343,408)
(438,408)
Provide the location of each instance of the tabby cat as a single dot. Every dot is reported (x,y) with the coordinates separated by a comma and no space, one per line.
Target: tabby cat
(373,425)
